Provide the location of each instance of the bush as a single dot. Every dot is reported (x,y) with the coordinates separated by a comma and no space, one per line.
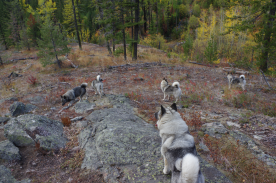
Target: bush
(193,22)
(196,10)
(32,80)
(118,51)
(211,51)
(154,40)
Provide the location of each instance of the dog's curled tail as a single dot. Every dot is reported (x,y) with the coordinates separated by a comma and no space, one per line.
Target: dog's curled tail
(84,85)
(190,168)
(176,84)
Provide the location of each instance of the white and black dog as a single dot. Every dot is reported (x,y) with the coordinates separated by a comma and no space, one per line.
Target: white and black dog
(173,89)
(71,95)
(234,81)
(97,85)
(178,147)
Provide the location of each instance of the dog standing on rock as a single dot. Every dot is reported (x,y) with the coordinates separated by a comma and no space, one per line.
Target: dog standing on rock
(71,95)
(173,89)
(178,147)
(97,85)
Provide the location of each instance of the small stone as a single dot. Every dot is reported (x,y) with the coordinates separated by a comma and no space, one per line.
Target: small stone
(229,123)
(257,137)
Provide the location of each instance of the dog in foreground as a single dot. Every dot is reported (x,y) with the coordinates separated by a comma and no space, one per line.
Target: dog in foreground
(168,90)
(71,95)
(178,147)
(97,85)
(236,81)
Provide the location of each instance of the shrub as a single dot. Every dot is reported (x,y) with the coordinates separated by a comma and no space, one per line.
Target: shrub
(118,51)
(193,22)
(211,51)
(154,40)
(196,10)
(66,121)
(32,80)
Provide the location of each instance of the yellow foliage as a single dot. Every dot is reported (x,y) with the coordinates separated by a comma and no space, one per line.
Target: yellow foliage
(271,69)
(154,40)
(46,8)
(216,62)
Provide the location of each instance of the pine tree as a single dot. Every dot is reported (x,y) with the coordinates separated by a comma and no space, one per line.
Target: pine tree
(52,43)
(4,21)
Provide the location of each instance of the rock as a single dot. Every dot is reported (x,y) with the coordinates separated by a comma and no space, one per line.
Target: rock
(8,151)
(203,147)
(4,120)
(82,124)
(77,118)
(229,123)
(27,129)
(36,100)
(18,108)
(257,137)
(82,107)
(124,148)
(6,176)
(214,129)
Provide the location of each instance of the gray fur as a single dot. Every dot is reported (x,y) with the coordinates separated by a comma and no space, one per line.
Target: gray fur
(236,81)
(178,147)
(170,89)
(72,94)
(97,85)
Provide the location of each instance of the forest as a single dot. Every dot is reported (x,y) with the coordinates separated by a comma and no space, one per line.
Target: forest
(233,32)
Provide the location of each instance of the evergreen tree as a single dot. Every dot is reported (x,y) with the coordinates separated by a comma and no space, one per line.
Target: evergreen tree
(264,30)
(52,43)
(4,21)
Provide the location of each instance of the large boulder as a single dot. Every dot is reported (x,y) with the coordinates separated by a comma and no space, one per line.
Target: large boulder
(8,151)
(125,148)
(84,106)
(3,120)
(214,129)
(27,129)
(18,108)
(6,176)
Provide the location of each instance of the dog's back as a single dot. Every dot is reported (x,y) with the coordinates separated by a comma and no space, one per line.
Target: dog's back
(178,147)
(80,90)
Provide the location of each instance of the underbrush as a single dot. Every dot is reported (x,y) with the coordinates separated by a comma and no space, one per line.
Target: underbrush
(235,159)
(243,99)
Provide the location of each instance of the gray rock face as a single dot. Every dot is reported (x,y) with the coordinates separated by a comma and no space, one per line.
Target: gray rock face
(6,176)
(8,151)
(82,107)
(18,108)
(36,100)
(126,148)
(214,129)
(27,129)
(251,145)
(3,120)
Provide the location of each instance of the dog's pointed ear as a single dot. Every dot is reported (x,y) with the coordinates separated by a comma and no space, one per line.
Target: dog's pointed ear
(174,107)
(163,110)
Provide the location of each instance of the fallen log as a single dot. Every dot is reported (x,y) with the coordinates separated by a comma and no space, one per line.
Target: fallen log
(235,70)
(207,65)
(266,79)
(147,64)
(22,59)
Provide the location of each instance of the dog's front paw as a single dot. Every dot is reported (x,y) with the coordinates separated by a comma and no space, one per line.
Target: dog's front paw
(165,170)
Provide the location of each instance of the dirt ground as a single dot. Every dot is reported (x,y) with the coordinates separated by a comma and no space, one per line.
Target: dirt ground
(205,90)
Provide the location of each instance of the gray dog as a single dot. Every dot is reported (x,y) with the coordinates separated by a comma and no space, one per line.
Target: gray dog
(71,95)
(97,85)
(178,147)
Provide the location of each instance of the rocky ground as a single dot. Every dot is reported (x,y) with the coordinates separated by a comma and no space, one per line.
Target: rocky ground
(114,139)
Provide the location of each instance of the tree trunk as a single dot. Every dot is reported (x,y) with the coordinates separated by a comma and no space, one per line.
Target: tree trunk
(1,62)
(124,36)
(267,38)
(79,17)
(3,37)
(76,24)
(145,18)
(136,30)
(54,45)
(156,16)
